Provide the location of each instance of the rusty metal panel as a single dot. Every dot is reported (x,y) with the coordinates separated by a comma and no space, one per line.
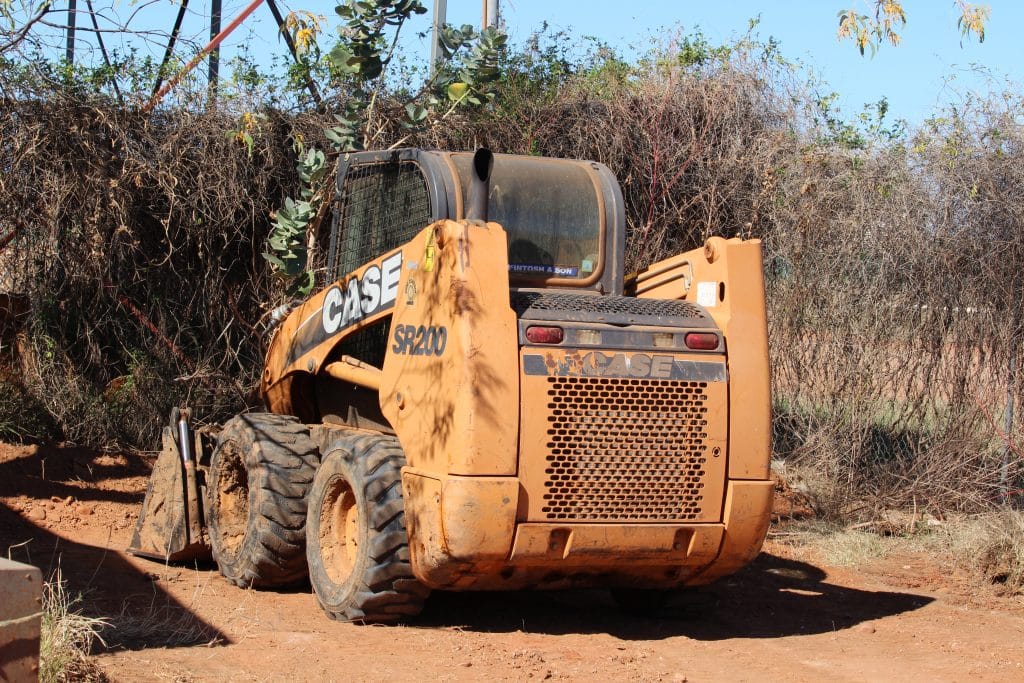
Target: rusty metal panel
(21,612)
(638,438)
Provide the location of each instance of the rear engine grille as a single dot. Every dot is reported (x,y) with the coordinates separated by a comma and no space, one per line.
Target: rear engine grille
(625,449)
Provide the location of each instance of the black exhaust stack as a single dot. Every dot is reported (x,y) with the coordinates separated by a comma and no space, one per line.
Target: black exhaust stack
(483,162)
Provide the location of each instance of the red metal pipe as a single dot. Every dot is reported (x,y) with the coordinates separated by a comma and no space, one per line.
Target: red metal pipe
(217,40)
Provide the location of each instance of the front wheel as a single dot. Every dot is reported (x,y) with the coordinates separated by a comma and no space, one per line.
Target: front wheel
(259,475)
(357,547)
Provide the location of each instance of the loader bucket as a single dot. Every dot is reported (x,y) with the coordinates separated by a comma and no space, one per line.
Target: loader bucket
(170,526)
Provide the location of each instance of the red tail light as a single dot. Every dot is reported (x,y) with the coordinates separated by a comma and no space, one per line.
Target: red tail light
(544,335)
(701,341)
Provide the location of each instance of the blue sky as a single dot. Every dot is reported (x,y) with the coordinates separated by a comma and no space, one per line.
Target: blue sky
(930,67)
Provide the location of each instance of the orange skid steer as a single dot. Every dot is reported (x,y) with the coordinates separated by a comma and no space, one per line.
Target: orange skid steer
(478,397)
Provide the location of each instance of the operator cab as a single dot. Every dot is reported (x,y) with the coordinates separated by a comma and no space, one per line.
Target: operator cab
(565,218)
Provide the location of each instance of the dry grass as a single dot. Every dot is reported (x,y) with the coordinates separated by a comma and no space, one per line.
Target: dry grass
(989,547)
(160,626)
(67,636)
(994,545)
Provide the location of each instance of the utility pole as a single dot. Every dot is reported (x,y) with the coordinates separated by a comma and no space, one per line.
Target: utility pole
(440,14)
(69,52)
(490,13)
(214,73)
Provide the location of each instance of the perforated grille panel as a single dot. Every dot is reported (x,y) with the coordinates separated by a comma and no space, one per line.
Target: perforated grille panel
(625,449)
(625,309)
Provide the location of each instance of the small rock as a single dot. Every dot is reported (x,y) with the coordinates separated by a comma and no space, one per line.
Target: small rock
(467,664)
(867,627)
(85,510)
(54,499)
(69,500)
(37,514)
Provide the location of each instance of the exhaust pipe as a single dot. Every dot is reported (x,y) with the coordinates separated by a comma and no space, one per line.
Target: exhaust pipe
(483,162)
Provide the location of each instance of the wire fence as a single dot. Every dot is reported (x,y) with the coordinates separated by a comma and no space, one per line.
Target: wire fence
(895,269)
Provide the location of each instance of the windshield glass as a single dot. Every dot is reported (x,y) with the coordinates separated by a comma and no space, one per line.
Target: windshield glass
(550,211)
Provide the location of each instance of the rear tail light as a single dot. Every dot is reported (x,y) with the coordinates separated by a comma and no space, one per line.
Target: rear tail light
(536,334)
(701,341)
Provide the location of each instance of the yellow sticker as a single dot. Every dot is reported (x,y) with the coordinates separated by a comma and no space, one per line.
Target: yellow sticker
(428,256)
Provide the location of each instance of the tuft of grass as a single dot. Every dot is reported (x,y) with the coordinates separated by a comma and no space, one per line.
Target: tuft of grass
(161,626)
(993,544)
(67,636)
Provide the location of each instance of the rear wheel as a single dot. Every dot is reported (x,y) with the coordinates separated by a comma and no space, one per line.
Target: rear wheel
(260,472)
(357,546)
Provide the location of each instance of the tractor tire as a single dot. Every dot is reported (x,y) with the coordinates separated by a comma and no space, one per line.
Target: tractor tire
(260,472)
(357,546)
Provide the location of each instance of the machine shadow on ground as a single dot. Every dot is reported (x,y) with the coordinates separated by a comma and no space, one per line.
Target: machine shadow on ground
(773,597)
(140,612)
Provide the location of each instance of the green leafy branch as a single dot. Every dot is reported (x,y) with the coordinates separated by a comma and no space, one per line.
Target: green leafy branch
(287,250)
(359,63)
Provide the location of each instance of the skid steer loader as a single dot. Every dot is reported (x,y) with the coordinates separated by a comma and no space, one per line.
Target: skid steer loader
(478,397)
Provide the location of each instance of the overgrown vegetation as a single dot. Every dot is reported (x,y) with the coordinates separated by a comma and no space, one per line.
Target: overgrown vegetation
(894,258)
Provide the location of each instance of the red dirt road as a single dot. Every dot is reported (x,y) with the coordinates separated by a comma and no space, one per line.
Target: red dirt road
(784,618)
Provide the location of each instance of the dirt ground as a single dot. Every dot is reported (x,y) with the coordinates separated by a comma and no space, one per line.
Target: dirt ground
(784,618)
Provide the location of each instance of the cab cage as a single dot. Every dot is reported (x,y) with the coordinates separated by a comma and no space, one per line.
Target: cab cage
(384,198)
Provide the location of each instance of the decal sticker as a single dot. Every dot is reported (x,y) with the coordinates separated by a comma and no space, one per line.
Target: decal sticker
(540,269)
(419,341)
(348,302)
(622,365)
(359,297)
(410,293)
(707,294)
(428,254)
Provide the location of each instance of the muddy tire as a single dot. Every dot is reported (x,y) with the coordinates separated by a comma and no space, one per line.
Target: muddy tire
(260,472)
(357,546)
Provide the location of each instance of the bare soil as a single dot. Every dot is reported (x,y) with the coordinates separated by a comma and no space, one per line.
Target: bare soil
(786,617)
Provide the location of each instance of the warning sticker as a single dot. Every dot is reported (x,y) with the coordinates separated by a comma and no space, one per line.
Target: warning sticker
(707,294)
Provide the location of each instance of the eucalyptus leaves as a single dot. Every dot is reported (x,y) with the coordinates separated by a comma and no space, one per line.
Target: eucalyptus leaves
(358,65)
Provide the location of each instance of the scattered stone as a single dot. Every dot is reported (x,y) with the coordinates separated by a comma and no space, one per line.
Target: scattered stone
(69,500)
(866,627)
(37,514)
